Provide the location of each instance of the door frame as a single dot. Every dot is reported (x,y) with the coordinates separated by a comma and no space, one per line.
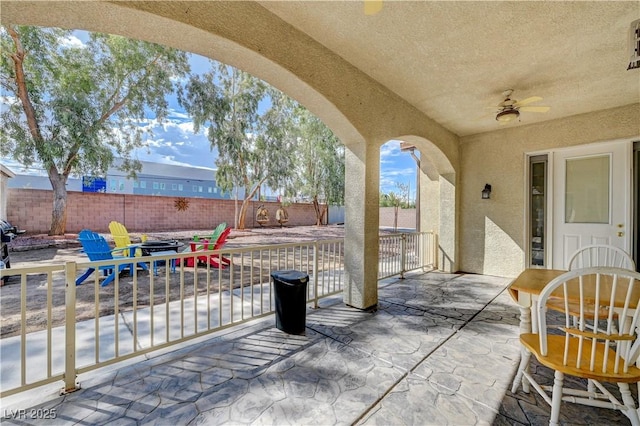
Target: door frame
(635,193)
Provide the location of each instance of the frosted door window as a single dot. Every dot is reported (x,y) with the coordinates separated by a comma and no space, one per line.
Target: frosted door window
(587,193)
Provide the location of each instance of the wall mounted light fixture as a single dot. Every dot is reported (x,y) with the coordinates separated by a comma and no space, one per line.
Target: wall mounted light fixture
(486,192)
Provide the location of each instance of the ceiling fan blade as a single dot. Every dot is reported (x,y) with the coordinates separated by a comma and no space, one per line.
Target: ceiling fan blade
(528,101)
(535,108)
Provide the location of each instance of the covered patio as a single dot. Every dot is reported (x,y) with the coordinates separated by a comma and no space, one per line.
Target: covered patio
(436,348)
(434,75)
(440,349)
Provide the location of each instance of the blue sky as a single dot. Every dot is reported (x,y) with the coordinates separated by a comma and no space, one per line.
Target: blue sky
(174,142)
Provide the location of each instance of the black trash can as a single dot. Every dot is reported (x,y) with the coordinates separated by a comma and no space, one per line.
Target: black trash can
(290,288)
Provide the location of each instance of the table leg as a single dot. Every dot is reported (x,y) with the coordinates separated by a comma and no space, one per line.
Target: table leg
(525,327)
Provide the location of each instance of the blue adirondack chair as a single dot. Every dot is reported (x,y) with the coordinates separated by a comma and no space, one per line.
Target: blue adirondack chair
(97,248)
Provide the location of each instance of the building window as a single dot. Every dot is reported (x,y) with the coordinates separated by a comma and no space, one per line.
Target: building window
(174,186)
(180,187)
(162,185)
(195,188)
(200,189)
(155,185)
(136,184)
(121,185)
(112,184)
(210,190)
(143,184)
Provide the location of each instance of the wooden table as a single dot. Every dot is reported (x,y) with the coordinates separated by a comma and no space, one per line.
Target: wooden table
(526,288)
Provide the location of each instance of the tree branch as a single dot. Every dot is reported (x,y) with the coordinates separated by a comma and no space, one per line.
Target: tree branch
(23,94)
(255,189)
(117,105)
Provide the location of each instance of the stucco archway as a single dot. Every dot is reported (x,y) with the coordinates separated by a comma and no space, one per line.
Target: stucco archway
(438,199)
(360,111)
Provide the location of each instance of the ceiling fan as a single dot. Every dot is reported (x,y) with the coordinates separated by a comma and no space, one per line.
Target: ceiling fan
(509,109)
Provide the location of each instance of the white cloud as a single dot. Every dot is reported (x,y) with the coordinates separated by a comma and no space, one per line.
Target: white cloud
(388,151)
(71,41)
(178,115)
(173,142)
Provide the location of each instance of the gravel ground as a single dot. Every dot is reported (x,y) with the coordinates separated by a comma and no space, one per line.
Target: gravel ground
(267,235)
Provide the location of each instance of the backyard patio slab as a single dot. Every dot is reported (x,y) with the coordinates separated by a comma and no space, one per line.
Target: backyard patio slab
(441,349)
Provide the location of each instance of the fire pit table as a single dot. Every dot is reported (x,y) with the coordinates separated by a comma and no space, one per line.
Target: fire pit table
(156,246)
(160,248)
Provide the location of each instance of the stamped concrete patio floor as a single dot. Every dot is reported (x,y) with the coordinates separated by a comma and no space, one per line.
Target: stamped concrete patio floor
(441,349)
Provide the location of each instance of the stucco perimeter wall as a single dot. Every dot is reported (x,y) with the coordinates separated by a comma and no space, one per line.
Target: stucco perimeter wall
(492,232)
(406,218)
(30,209)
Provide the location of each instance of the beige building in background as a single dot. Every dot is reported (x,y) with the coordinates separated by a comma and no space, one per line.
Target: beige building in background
(426,73)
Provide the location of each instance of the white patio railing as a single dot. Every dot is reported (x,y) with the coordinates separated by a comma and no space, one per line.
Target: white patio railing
(147,312)
(404,252)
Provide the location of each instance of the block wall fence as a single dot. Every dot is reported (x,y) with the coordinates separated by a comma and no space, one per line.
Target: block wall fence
(30,209)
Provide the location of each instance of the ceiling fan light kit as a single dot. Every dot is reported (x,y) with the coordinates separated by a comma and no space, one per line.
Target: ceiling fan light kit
(507,115)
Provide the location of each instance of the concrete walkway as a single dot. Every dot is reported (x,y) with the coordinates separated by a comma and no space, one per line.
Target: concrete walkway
(441,349)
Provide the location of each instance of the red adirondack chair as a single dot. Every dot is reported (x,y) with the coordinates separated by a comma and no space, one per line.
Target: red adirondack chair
(214,260)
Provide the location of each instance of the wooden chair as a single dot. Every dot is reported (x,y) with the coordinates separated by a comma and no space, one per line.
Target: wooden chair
(214,259)
(601,255)
(122,239)
(594,256)
(588,348)
(216,232)
(219,260)
(97,248)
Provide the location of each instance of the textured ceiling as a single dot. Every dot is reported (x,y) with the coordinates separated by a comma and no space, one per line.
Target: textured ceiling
(453,59)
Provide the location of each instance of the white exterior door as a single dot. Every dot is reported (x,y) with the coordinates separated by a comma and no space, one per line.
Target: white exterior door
(592,198)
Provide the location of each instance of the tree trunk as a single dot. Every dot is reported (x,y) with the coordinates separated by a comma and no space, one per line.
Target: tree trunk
(321,211)
(316,207)
(59,212)
(245,204)
(395,218)
(243,213)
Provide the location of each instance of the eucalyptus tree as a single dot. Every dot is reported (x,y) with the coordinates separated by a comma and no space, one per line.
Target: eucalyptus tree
(74,107)
(253,147)
(320,169)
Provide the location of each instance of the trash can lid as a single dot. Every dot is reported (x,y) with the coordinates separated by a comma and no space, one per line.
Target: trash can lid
(290,276)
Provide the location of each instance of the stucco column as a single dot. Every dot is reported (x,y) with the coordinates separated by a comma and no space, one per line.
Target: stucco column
(448,239)
(438,214)
(362,187)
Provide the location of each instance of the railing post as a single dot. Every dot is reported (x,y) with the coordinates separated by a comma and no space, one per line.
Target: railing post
(315,274)
(423,240)
(434,251)
(403,255)
(70,384)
